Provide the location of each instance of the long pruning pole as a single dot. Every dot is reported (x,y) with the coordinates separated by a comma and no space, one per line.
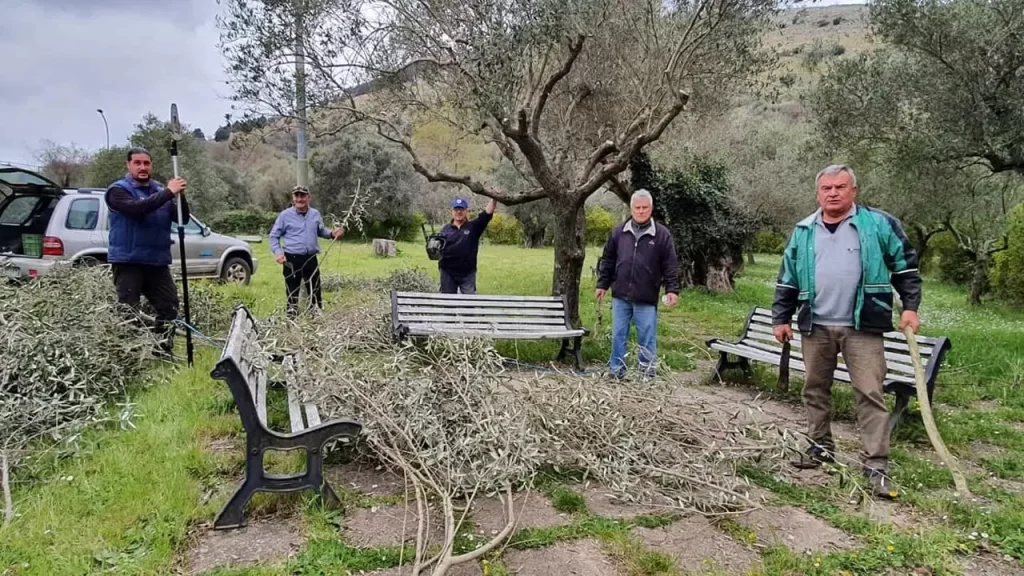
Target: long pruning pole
(926,414)
(175,136)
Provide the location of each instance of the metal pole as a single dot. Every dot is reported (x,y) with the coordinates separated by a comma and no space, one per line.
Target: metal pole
(175,135)
(301,164)
(105,127)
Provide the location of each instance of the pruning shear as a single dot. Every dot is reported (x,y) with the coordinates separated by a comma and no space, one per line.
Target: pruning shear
(782,384)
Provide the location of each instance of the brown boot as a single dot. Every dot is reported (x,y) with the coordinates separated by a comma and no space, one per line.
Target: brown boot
(881,484)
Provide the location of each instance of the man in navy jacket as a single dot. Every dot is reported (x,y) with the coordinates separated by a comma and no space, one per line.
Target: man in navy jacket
(461,244)
(639,258)
(142,212)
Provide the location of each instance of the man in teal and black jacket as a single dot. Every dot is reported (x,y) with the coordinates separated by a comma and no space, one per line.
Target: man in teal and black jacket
(840,267)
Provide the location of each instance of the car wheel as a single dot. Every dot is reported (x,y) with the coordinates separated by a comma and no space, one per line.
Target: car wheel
(236,270)
(89,261)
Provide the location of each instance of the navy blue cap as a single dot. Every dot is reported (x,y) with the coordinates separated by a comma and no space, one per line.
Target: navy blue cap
(460,203)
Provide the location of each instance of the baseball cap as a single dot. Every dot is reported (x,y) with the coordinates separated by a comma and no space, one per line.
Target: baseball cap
(300,190)
(460,203)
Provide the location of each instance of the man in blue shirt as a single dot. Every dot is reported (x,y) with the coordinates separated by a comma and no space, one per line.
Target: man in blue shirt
(300,226)
(461,244)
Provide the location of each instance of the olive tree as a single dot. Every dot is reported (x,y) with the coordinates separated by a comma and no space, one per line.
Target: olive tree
(565,90)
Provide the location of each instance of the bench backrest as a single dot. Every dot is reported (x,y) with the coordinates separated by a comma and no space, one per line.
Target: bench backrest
(900,368)
(243,366)
(428,311)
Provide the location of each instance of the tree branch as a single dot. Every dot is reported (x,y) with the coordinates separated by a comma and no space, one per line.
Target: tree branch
(574,51)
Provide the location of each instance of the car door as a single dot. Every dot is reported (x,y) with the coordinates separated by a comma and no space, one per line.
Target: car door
(199,258)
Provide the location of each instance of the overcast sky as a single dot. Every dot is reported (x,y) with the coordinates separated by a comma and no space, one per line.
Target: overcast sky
(63,59)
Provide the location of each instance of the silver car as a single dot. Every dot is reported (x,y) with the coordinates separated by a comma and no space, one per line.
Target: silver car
(43,226)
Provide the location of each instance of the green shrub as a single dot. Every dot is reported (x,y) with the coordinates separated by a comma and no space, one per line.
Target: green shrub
(599,225)
(505,229)
(955,265)
(403,229)
(768,242)
(243,222)
(1007,275)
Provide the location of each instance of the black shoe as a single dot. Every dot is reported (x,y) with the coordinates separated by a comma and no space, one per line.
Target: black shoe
(814,457)
(881,484)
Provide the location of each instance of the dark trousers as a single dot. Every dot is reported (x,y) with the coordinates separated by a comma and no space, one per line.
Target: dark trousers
(455,283)
(302,269)
(132,281)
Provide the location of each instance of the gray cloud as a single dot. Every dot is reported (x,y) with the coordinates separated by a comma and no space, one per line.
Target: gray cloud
(66,58)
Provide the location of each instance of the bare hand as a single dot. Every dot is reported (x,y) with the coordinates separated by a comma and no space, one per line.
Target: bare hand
(492,206)
(783,333)
(280,259)
(176,186)
(600,294)
(909,318)
(671,299)
(337,233)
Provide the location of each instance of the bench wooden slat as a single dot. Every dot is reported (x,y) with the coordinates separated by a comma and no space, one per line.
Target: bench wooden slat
(497,334)
(294,411)
(312,415)
(483,312)
(441,319)
(261,396)
(794,363)
(924,350)
(764,315)
(895,365)
(477,297)
(471,305)
(493,326)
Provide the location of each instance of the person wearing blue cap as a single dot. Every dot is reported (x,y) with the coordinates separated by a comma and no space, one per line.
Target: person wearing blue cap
(461,244)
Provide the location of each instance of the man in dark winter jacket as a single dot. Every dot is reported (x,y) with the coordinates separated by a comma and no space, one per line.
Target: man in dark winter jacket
(839,268)
(461,245)
(142,213)
(639,258)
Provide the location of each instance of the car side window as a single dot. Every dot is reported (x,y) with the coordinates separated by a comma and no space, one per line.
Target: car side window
(192,228)
(83,214)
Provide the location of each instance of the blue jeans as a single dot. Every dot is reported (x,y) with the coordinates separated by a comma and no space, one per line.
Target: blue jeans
(645,316)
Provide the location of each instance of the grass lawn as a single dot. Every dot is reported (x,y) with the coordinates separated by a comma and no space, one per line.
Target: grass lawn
(129,501)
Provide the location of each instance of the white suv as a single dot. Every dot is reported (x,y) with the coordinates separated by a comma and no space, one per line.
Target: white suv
(43,225)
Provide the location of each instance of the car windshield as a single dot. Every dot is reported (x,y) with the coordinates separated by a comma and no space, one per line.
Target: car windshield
(12,179)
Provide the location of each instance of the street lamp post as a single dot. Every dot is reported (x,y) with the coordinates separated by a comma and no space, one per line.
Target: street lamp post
(105,126)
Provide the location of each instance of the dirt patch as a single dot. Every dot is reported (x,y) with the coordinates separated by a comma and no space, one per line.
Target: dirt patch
(387,526)
(796,529)
(468,569)
(258,543)
(896,514)
(986,405)
(365,479)
(225,445)
(991,566)
(698,546)
(579,558)
(535,511)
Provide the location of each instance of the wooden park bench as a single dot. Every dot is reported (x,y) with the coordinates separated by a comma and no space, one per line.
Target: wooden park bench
(758,343)
(243,366)
(424,314)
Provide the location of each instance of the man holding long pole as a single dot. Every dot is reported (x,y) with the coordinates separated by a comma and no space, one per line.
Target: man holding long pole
(141,213)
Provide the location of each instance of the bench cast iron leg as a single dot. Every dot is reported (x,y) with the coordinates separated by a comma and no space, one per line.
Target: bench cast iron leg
(725,364)
(898,411)
(232,515)
(576,351)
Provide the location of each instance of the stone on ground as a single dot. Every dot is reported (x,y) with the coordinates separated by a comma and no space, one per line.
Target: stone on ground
(261,542)
(576,558)
(796,529)
(534,511)
(698,546)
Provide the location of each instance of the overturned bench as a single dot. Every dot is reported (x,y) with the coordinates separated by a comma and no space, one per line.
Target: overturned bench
(498,317)
(243,367)
(758,343)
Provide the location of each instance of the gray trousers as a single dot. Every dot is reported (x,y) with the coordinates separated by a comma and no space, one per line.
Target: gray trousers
(454,283)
